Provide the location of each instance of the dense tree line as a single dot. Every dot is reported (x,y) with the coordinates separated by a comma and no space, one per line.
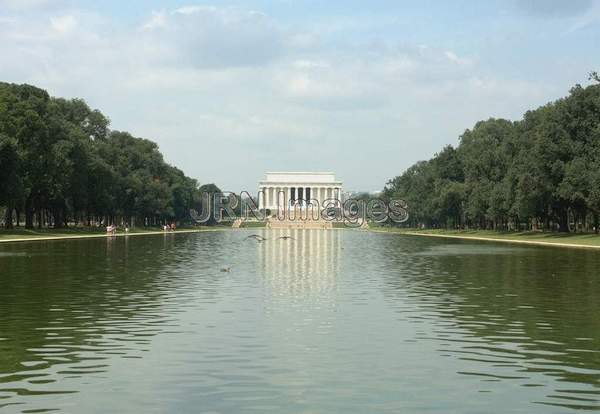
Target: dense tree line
(541,172)
(60,164)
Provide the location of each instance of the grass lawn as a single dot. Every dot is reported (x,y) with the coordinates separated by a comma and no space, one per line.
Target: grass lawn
(576,239)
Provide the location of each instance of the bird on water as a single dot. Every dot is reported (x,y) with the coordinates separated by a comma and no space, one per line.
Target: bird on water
(257,237)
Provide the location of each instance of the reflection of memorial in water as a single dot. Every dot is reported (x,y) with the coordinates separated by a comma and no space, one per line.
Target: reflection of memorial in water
(305,266)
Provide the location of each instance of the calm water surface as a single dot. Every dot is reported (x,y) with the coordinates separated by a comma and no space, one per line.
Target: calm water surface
(334,321)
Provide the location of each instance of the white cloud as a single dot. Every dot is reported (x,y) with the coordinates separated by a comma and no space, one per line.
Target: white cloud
(310,64)
(158,20)
(205,37)
(63,24)
(454,58)
(195,9)
(338,85)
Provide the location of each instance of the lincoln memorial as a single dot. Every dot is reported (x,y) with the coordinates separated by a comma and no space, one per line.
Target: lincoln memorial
(282,190)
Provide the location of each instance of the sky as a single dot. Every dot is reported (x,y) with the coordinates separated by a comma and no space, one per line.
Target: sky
(364,89)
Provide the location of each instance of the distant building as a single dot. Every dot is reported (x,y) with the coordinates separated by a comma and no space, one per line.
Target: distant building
(286,189)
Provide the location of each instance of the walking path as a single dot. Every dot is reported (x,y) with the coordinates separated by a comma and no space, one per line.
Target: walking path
(495,239)
(26,238)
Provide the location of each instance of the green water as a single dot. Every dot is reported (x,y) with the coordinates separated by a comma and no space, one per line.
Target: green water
(332,322)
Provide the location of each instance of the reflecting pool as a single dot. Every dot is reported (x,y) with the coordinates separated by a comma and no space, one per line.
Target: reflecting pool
(329,321)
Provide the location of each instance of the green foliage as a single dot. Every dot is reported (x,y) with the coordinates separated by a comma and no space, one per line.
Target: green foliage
(59,161)
(543,170)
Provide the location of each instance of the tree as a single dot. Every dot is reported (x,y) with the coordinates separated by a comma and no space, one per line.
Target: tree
(539,172)
(60,163)
(11,186)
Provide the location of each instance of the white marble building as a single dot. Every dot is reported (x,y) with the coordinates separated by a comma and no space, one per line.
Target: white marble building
(289,188)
